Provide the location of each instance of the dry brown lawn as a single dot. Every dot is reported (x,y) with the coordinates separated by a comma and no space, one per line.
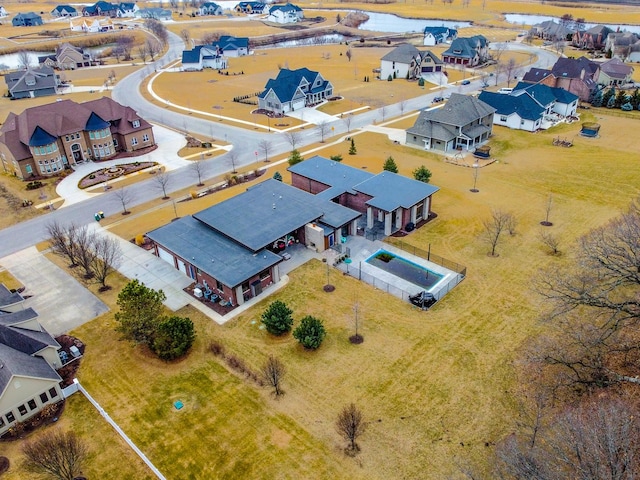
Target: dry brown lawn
(427,382)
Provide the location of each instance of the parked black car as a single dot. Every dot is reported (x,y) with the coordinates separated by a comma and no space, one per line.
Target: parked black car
(423,299)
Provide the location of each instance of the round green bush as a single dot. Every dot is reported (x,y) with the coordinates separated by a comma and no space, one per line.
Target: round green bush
(310,332)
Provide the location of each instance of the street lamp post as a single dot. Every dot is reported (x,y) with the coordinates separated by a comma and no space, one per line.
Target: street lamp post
(475,178)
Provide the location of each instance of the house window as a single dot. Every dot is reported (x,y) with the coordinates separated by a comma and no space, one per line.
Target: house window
(67,138)
(219,286)
(145,138)
(115,142)
(503,118)
(32,404)
(10,417)
(264,275)
(521,122)
(28,169)
(43,397)
(92,135)
(53,392)
(136,123)
(245,286)
(134,141)
(22,409)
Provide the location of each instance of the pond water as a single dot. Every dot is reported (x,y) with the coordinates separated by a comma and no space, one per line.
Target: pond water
(12,60)
(528,20)
(389,23)
(320,40)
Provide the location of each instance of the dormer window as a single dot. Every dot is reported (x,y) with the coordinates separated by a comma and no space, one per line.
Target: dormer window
(136,123)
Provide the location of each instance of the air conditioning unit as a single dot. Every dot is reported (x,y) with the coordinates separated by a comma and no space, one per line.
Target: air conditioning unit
(74,351)
(197,292)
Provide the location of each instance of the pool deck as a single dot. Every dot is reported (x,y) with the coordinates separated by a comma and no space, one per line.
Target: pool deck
(361,249)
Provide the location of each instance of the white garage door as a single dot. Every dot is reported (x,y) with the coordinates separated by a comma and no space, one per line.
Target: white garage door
(181,266)
(166,256)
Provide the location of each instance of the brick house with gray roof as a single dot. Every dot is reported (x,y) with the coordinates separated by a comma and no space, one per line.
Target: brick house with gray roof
(615,73)
(44,140)
(233,248)
(464,122)
(468,51)
(595,38)
(28,362)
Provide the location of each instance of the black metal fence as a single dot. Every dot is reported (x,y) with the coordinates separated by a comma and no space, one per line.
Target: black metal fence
(428,255)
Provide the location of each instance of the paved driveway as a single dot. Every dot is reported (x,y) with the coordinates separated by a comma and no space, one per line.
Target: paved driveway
(61,301)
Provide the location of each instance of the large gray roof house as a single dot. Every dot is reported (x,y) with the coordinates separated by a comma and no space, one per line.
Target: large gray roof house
(463,122)
(388,198)
(233,247)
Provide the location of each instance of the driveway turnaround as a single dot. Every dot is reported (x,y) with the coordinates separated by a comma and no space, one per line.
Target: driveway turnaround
(61,302)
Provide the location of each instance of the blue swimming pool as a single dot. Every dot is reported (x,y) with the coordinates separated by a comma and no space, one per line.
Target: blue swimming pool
(403,268)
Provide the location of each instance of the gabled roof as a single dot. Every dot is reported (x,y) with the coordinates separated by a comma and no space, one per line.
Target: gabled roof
(535,75)
(389,190)
(228,42)
(338,177)
(8,298)
(191,56)
(14,363)
(403,53)
(31,79)
(64,8)
(542,94)
(615,68)
(465,47)
(26,341)
(16,318)
(209,5)
(522,105)
(28,15)
(286,84)
(438,31)
(288,7)
(598,30)
(573,68)
(460,110)
(563,96)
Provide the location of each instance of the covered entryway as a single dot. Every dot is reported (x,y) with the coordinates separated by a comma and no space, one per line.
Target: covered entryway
(76,151)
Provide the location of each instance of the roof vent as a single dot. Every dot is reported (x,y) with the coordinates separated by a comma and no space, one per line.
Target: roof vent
(274,206)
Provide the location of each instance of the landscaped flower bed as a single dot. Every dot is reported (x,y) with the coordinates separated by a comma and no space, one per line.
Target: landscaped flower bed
(105,174)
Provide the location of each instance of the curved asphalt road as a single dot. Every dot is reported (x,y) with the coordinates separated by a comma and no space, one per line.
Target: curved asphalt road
(245,143)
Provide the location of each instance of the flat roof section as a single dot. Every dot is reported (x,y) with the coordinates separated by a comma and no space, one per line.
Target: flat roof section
(211,252)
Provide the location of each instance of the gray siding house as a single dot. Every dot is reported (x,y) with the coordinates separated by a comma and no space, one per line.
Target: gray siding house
(464,122)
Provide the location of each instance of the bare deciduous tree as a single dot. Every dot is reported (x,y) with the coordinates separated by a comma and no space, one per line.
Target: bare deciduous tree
(595,305)
(293,137)
(61,241)
(493,228)
(57,454)
(323,129)
(349,54)
(198,168)
(347,119)
(162,180)
(510,68)
(550,241)
(124,196)
(273,371)
(158,29)
(153,48)
(143,53)
(233,160)
(84,246)
(24,59)
(108,258)
(186,36)
(595,440)
(265,148)
(351,425)
(546,221)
